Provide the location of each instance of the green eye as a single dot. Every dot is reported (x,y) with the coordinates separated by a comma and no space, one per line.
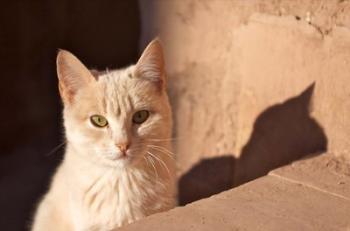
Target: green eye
(140,117)
(99,121)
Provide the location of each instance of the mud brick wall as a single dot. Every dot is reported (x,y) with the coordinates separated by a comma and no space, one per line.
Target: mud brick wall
(254,85)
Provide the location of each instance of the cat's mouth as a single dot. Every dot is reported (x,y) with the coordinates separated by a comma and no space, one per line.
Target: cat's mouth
(120,157)
(117,157)
(124,158)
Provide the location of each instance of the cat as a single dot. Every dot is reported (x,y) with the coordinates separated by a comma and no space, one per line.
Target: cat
(118,166)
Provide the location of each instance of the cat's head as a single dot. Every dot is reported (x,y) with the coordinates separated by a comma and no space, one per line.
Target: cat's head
(113,117)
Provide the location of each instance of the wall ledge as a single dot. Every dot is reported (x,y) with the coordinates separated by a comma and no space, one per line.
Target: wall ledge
(310,194)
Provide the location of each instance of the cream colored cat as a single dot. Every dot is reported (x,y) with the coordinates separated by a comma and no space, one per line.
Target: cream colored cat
(117,166)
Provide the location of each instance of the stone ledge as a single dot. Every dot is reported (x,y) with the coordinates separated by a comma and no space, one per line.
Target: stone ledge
(289,198)
(324,173)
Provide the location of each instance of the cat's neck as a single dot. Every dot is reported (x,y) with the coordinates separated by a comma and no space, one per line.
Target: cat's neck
(94,188)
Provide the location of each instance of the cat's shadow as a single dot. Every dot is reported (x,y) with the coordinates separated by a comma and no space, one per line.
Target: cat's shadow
(281,134)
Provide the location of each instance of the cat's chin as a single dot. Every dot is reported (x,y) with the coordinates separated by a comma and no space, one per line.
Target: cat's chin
(122,161)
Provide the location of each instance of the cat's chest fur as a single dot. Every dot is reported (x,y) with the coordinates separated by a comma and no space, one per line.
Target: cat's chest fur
(113,198)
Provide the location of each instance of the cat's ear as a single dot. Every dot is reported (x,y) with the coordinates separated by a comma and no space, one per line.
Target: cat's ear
(72,75)
(151,64)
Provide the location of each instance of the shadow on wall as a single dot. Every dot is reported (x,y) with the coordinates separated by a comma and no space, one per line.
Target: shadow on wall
(207,178)
(281,134)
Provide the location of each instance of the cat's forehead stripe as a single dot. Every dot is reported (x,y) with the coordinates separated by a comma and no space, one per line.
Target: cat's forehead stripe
(116,95)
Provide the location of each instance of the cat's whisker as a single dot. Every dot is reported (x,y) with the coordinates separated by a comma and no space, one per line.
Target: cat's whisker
(165,151)
(163,140)
(161,148)
(154,168)
(147,141)
(161,152)
(55,149)
(160,161)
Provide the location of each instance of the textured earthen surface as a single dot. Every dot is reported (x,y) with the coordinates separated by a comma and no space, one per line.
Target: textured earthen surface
(272,202)
(325,173)
(254,85)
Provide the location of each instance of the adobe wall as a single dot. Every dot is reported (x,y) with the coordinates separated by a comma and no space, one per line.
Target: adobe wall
(254,85)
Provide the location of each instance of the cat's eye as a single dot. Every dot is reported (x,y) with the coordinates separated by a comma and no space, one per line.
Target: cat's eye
(140,116)
(99,121)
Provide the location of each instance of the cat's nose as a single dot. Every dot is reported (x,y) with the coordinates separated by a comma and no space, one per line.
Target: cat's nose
(123,147)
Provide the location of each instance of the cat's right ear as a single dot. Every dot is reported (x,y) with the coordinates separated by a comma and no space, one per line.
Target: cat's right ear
(72,75)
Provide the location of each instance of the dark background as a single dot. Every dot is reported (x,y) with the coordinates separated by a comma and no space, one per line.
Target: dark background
(102,34)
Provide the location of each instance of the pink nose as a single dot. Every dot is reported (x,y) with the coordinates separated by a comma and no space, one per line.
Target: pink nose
(123,147)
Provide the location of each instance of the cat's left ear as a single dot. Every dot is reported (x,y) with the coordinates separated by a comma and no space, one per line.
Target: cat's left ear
(151,64)
(72,75)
